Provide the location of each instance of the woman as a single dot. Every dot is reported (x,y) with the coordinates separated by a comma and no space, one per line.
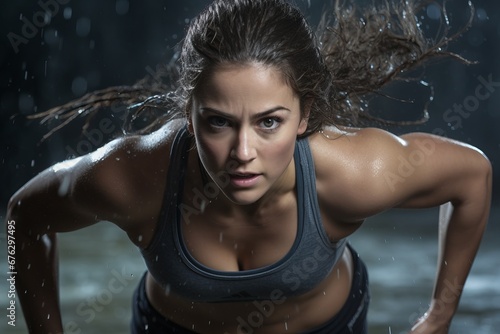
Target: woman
(242,202)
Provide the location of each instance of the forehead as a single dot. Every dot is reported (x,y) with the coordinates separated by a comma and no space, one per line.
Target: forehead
(244,82)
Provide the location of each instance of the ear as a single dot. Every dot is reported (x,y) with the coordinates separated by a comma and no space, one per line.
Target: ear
(302,126)
(305,116)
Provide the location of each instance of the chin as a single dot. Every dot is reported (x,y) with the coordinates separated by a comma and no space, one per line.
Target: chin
(243,197)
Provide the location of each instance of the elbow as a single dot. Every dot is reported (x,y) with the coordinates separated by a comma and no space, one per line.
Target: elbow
(485,171)
(482,170)
(476,182)
(13,206)
(478,191)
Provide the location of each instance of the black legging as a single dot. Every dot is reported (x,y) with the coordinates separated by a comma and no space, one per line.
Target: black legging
(351,319)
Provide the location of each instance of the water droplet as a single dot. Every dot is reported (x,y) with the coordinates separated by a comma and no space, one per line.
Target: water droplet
(481,14)
(221,237)
(117,159)
(29,266)
(139,238)
(433,11)
(32,163)
(64,186)
(286,326)
(167,289)
(424,83)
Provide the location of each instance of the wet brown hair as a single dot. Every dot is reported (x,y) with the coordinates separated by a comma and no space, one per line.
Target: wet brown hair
(354,52)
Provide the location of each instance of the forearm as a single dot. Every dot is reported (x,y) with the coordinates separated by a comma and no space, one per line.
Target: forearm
(461,229)
(37,283)
(36,274)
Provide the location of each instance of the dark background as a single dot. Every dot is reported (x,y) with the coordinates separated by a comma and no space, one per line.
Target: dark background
(90,45)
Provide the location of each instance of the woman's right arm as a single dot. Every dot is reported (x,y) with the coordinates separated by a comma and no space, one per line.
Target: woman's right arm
(39,209)
(122,182)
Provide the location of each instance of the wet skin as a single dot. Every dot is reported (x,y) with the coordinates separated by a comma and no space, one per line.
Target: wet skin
(246,120)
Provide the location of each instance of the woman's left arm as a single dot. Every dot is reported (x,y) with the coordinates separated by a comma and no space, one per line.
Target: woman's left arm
(458,177)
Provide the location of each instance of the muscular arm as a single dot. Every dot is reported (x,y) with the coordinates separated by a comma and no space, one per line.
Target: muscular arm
(110,184)
(459,178)
(375,171)
(41,208)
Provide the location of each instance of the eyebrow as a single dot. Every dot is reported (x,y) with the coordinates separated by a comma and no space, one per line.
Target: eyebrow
(257,115)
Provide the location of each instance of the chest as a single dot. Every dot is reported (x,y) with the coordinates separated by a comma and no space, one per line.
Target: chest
(237,242)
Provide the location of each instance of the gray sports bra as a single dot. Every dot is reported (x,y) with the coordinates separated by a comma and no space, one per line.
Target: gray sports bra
(308,262)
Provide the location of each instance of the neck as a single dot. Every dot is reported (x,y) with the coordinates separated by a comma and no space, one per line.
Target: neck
(279,196)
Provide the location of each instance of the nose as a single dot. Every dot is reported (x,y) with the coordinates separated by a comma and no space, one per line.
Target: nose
(244,146)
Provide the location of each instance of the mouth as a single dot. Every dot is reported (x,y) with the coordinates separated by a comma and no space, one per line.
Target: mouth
(244,179)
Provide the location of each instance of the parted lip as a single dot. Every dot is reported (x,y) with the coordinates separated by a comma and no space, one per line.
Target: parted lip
(243,174)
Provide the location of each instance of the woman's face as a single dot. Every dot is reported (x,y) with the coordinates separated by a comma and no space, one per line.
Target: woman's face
(246,119)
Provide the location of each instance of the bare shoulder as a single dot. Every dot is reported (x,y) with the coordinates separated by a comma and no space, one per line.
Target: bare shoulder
(349,162)
(361,172)
(126,176)
(122,182)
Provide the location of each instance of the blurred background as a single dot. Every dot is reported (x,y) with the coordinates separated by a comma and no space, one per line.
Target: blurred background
(53,51)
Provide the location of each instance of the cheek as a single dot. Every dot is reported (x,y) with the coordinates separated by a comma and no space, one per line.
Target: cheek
(212,153)
(278,154)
